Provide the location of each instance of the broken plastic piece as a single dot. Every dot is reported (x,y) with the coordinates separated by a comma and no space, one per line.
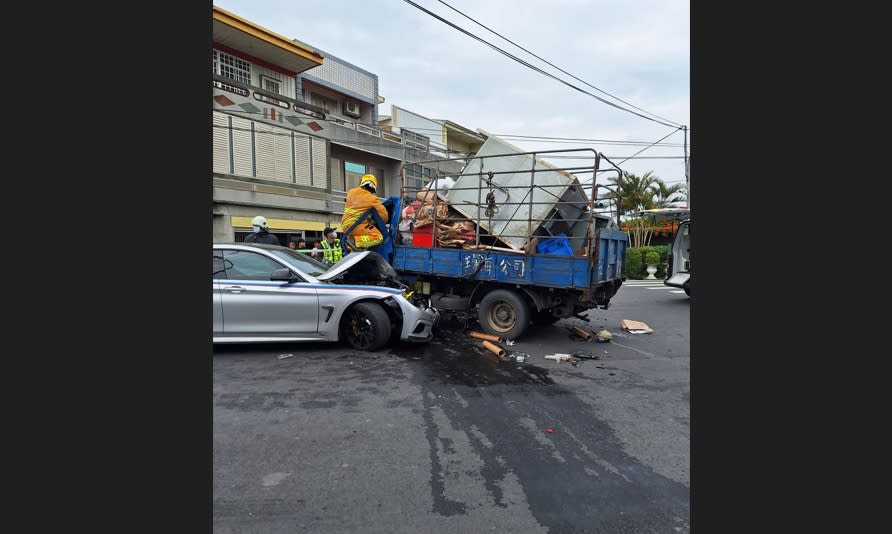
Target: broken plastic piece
(284,356)
(549,430)
(559,357)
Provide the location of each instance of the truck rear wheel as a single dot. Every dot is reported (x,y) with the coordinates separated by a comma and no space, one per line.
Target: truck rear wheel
(504,313)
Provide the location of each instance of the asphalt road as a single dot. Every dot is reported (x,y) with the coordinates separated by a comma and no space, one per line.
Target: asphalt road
(445,438)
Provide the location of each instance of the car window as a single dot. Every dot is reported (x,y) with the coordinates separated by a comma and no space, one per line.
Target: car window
(245,265)
(301,261)
(219,268)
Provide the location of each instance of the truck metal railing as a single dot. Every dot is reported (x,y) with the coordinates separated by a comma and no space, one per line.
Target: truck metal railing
(564,198)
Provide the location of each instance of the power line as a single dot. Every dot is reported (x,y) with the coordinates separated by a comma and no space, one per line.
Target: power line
(537,137)
(615,157)
(645,148)
(555,66)
(602,142)
(510,137)
(434,144)
(404,147)
(535,68)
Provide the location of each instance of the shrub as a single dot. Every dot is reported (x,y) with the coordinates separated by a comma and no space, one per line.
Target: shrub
(651,257)
(633,267)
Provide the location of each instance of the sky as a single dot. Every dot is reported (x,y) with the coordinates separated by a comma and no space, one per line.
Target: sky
(637,50)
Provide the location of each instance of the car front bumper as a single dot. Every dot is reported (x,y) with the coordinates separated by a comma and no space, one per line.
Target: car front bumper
(418,324)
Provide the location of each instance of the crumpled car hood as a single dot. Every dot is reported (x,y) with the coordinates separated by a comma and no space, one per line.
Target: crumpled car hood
(367,265)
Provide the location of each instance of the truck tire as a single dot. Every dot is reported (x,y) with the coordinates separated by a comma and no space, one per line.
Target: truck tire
(366,326)
(503,313)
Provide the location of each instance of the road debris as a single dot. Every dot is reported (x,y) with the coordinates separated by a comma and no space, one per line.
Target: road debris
(493,348)
(584,334)
(485,337)
(549,430)
(518,357)
(586,355)
(604,336)
(635,327)
(560,357)
(285,356)
(510,342)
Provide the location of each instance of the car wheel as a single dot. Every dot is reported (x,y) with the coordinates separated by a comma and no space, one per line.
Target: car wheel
(544,317)
(366,326)
(503,313)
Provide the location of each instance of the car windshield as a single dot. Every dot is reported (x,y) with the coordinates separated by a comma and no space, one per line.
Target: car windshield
(301,261)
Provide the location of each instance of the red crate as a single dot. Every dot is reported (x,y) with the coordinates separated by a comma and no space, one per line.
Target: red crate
(423,236)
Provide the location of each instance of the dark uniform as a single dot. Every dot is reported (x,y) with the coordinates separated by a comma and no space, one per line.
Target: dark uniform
(262,237)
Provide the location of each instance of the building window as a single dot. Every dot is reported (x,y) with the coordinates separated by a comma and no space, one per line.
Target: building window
(330,105)
(270,84)
(232,67)
(353,173)
(417,176)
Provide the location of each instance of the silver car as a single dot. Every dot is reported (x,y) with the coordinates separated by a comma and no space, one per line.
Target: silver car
(268,293)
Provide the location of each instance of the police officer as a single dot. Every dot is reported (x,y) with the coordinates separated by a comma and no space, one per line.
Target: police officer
(261,232)
(331,247)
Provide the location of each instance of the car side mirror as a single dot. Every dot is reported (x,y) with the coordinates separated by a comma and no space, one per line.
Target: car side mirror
(283,275)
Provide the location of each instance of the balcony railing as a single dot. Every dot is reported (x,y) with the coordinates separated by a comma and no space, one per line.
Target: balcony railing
(284,102)
(411,140)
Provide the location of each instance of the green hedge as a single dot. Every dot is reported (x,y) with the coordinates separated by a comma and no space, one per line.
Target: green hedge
(636,269)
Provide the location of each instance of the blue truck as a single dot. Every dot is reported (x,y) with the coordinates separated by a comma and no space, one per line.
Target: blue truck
(543,281)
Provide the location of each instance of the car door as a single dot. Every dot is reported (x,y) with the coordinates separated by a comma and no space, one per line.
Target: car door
(254,305)
(218,276)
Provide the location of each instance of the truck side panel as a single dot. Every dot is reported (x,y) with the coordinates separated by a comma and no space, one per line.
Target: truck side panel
(611,251)
(515,268)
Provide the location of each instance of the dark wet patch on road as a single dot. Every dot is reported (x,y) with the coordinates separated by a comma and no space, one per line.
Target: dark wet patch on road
(457,359)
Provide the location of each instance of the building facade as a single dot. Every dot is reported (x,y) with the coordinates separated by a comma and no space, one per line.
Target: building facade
(294,128)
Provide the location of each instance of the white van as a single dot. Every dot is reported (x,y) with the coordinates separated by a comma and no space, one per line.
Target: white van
(679,258)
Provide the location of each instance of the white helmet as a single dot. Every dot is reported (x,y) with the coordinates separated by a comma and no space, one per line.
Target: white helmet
(261,222)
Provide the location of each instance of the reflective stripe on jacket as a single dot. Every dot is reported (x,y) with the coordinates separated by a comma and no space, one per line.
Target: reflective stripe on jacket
(332,253)
(358,201)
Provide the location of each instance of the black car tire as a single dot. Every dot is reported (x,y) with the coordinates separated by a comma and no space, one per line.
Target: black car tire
(366,326)
(503,313)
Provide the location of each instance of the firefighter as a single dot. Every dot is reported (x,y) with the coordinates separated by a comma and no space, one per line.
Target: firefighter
(359,200)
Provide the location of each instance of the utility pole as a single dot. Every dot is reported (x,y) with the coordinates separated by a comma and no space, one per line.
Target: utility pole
(687,166)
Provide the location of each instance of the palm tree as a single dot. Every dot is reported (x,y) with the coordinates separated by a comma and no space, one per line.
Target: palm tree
(643,192)
(635,192)
(665,195)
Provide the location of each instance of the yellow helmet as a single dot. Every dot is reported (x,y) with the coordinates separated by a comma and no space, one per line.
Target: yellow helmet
(369,179)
